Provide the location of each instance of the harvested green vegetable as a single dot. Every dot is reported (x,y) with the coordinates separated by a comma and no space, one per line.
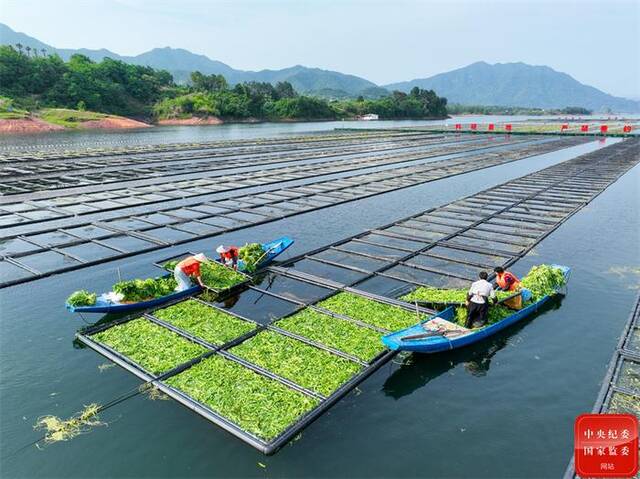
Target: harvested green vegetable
(449,296)
(217,276)
(82,298)
(257,404)
(337,333)
(305,365)
(543,280)
(496,313)
(251,253)
(204,322)
(214,274)
(153,347)
(143,289)
(369,311)
(624,404)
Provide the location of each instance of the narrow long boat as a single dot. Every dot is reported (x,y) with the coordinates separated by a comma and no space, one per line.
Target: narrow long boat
(104,305)
(440,332)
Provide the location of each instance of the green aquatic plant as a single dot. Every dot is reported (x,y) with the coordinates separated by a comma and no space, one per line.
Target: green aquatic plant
(251,254)
(543,280)
(143,289)
(260,405)
(496,313)
(340,334)
(218,277)
(444,296)
(82,298)
(153,347)
(305,365)
(204,322)
(624,404)
(370,311)
(57,429)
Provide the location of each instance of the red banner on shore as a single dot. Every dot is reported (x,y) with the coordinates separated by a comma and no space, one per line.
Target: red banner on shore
(584,128)
(604,128)
(491,127)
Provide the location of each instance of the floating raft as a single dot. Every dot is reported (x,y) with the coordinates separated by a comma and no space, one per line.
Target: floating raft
(333,302)
(42,237)
(620,392)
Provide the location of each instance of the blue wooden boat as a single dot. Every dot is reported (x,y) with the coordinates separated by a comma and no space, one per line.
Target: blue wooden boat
(441,333)
(103,305)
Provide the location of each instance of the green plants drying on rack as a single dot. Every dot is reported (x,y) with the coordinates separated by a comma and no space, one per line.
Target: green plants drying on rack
(262,406)
(369,311)
(204,322)
(154,348)
(340,334)
(308,366)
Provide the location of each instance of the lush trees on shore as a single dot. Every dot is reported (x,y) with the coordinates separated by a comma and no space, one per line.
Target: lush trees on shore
(35,81)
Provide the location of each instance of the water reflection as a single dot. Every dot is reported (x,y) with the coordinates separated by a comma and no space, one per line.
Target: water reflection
(418,370)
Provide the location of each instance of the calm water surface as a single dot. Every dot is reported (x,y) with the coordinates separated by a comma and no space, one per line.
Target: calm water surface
(501,408)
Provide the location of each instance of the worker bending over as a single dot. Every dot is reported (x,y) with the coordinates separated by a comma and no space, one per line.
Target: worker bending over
(508,281)
(189,268)
(478,301)
(228,255)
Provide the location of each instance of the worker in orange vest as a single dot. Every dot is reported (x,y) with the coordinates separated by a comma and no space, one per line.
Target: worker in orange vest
(187,269)
(228,255)
(508,281)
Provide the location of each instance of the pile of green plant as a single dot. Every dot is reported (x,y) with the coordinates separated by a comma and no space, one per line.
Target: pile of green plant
(143,289)
(305,365)
(217,276)
(82,298)
(496,313)
(214,274)
(624,404)
(369,311)
(153,347)
(336,333)
(543,280)
(251,253)
(262,406)
(444,296)
(204,322)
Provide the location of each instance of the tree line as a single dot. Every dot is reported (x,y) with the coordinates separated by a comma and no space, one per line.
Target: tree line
(34,80)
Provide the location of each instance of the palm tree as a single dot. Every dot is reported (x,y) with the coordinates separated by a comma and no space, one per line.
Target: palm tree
(19,47)
(44,52)
(28,49)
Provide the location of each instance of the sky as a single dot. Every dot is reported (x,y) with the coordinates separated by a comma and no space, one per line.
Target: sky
(596,42)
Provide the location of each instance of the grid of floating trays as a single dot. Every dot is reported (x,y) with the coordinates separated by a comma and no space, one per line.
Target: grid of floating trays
(49,238)
(28,176)
(266,363)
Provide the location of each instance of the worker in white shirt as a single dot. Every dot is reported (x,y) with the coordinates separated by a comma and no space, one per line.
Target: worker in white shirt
(478,301)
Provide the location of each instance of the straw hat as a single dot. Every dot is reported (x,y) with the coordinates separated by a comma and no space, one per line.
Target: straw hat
(222,249)
(200,257)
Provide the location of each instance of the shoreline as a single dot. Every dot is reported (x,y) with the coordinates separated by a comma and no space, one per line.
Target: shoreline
(34,125)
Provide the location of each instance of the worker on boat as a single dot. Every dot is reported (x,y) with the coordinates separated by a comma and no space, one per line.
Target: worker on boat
(507,281)
(477,302)
(187,269)
(228,255)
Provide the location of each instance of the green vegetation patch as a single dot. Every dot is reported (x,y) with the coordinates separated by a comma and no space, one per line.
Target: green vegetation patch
(305,365)
(204,322)
(69,118)
(337,333)
(369,311)
(153,347)
(82,298)
(8,110)
(543,280)
(251,254)
(624,404)
(142,289)
(444,296)
(259,405)
(496,313)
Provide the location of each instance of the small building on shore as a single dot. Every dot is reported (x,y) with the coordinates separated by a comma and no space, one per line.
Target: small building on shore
(369,117)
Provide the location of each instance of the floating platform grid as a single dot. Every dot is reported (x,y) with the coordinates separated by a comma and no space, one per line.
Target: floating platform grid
(49,236)
(620,392)
(443,247)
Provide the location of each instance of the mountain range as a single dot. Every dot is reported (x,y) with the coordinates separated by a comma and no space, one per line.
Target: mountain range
(501,84)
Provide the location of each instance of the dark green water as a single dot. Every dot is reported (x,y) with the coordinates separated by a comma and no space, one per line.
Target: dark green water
(502,408)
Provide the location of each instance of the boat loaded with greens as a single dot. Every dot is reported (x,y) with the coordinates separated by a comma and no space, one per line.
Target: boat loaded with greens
(445,331)
(145,293)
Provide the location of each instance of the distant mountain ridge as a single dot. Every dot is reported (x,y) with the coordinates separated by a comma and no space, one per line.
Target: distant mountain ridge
(517,84)
(502,84)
